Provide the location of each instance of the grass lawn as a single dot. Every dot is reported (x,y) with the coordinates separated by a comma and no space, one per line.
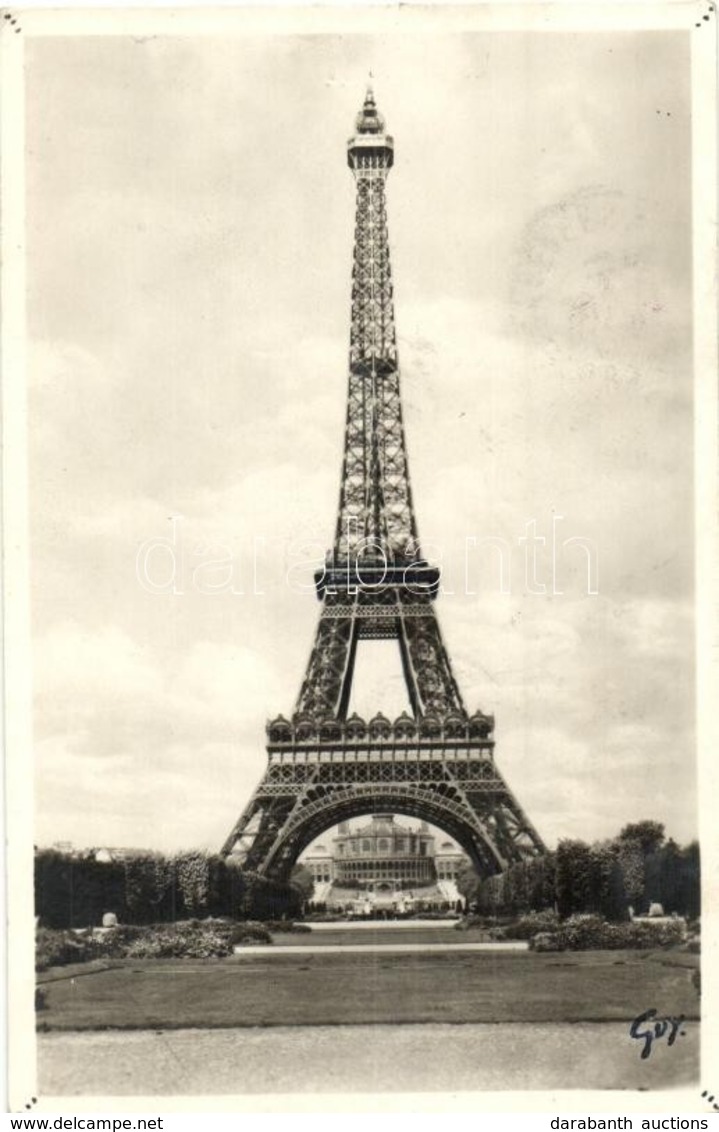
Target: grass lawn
(375,936)
(316,989)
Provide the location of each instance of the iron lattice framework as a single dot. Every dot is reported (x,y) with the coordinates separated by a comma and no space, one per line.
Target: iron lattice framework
(438,762)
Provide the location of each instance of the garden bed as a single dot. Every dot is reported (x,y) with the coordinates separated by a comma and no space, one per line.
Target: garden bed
(191,939)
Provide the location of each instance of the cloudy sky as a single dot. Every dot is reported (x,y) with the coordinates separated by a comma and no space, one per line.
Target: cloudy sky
(189,224)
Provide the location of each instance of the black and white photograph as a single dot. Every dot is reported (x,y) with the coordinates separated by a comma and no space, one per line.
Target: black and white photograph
(359,477)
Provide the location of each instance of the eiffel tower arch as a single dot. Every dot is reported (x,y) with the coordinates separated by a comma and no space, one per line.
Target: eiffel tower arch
(437,763)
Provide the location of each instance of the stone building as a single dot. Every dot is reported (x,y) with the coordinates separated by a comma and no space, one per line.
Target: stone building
(383,855)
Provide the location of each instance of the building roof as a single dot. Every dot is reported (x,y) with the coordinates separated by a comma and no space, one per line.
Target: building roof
(382,825)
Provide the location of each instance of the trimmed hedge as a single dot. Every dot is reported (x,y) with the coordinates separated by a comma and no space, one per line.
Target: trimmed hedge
(75,891)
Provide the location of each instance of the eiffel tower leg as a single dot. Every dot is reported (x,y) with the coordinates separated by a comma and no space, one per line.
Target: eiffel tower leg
(513,833)
(427,667)
(257,827)
(326,688)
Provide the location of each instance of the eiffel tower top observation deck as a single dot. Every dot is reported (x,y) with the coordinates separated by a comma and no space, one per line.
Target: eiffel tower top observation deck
(376,541)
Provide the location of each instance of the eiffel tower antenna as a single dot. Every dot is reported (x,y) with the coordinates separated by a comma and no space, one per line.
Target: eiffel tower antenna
(438,763)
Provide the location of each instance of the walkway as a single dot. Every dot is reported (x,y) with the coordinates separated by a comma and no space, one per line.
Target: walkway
(363,1059)
(282,948)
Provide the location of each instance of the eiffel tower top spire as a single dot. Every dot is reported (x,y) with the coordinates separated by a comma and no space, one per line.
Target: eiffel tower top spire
(369,120)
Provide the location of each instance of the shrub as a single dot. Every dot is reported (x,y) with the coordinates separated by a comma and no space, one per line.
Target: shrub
(59,948)
(546,941)
(181,941)
(527,926)
(468,922)
(487,931)
(281,926)
(157,944)
(189,940)
(589,933)
(497,933)
(666,933)
(113,943)
(249,934)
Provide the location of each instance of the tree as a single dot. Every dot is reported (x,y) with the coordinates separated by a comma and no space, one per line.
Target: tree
(468,883)
(575,876)
(631,862)
(192,880)
(302,880)
(54,889)
(542,883)
(648,834)
(666,873)
(489,895)
(608,898)
(691,882)
(149,888)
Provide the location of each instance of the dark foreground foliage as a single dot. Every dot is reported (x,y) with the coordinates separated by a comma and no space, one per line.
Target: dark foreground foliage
(74,891)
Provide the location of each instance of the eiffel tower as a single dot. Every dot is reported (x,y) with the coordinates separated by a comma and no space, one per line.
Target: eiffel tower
(436,763)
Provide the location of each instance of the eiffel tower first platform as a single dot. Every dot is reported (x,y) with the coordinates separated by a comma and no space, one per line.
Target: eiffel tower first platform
(436,764)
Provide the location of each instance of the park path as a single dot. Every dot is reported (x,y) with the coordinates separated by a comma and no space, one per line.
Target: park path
(282,948)
(364,1059)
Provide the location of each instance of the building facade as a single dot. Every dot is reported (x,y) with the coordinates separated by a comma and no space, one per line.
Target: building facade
(383,855)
